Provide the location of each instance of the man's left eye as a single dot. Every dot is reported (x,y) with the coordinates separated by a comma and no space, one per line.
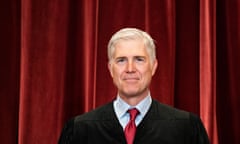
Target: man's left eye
(139,59)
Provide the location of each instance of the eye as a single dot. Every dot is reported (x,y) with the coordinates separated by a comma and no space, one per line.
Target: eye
(140,59)
(120,60)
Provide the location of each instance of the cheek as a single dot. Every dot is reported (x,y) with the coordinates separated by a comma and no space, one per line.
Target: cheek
(146,73)
(116,73)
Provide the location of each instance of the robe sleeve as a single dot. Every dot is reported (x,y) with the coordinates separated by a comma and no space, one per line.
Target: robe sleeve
(74,132)
(199,134)
(67,133)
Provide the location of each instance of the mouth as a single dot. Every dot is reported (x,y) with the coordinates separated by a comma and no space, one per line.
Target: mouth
(134,79)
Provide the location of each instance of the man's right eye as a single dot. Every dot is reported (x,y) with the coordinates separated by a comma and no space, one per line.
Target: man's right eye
(120,60)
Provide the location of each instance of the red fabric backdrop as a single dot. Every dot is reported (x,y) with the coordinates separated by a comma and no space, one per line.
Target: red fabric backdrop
(53,61)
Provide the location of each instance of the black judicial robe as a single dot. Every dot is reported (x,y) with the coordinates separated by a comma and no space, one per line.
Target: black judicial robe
(161,125)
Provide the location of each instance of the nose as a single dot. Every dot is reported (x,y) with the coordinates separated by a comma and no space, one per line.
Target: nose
(130,67)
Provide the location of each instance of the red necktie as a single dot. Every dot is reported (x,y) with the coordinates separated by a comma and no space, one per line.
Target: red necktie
(130,128)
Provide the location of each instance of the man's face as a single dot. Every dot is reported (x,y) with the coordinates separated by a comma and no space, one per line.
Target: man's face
(131,68)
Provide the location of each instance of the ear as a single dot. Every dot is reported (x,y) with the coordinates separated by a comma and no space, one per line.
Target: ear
(154,66)
(110,68)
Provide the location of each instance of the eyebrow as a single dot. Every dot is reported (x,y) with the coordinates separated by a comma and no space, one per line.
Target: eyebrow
(140,57)
(133,56)
(121,57)
(125,57)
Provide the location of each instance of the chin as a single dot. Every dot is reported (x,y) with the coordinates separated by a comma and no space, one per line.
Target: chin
(131,93)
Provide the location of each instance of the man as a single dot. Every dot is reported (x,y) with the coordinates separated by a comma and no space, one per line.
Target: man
(134,117)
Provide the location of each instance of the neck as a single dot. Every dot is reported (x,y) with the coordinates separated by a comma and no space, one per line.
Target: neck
(133,100)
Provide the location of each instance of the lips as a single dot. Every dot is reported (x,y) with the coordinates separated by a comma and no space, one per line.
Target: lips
(131,78)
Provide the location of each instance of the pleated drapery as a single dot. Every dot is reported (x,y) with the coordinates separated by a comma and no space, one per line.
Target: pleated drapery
(53,61)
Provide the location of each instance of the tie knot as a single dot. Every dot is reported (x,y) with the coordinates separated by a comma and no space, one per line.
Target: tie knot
(133,113)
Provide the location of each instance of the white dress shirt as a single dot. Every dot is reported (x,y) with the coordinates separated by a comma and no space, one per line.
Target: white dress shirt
(121,108)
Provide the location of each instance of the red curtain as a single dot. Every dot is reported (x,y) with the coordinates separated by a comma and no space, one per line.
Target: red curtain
(53,61)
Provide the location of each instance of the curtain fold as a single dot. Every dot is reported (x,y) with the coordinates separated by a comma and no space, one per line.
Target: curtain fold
(186,91)
(228,78)
(90,21)
(208,67)
(9,70)
(53,61)
(43,67)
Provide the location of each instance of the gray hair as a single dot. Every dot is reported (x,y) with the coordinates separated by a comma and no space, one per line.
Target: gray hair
(132,34)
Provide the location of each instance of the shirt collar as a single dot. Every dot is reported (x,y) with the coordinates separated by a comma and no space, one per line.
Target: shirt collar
(121,106)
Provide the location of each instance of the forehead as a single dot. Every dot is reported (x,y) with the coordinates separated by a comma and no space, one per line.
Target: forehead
(130,48)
